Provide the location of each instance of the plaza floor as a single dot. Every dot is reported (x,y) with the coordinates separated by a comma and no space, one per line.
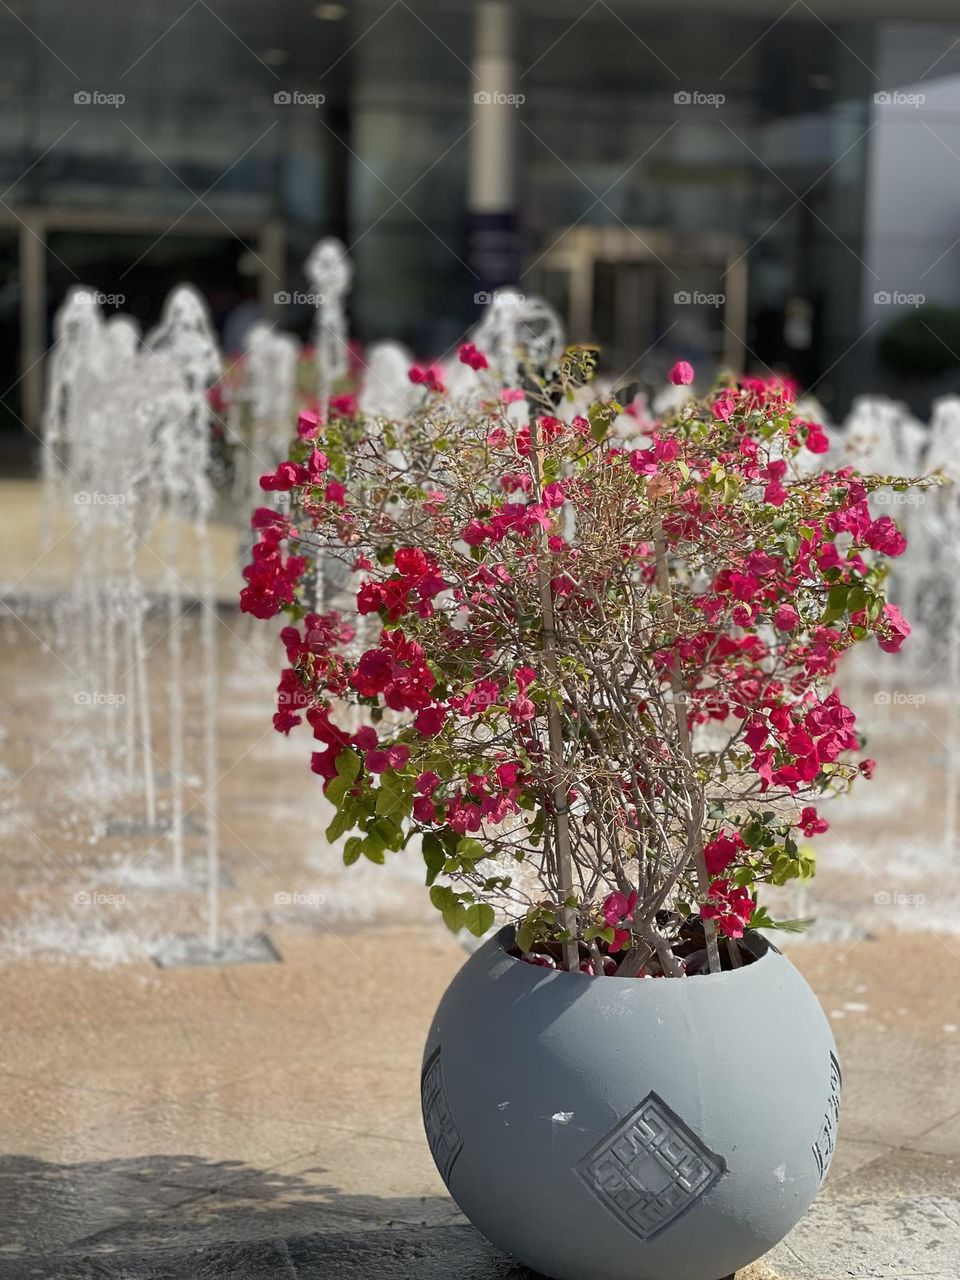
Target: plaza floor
(261,1118)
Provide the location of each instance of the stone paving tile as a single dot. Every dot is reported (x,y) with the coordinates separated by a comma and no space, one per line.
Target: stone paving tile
(903,1239)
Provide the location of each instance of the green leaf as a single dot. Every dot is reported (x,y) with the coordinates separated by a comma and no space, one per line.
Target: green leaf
(348,764)
(525,938)
(479,918)
(372,847)
(340,825)
(470,850)
(352,850)
(337,789)
(433,856)
(441,895)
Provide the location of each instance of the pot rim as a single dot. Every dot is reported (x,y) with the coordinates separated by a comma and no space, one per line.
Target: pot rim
(760,947)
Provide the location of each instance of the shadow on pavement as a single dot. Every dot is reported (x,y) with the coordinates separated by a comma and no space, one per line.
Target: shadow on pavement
(180,1217)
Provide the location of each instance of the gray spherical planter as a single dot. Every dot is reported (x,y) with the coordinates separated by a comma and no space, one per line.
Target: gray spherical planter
(631,1129)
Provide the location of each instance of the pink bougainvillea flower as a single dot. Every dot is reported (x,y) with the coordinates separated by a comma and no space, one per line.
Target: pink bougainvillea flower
(429,376)
(681,375)
(721,851)
(895,629)
(731,907)
(308,424)
(471,355)
(430,721)
(811,824)
(817,440)
(366,738)
(723,407)
(508,773)
(786,618)
(884,536)
(618,906)
(343,406)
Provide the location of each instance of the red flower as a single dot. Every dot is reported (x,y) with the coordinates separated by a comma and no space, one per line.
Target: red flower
(681,375)
(895,629)
(884,536)
(730,907)
(721,851)
(430,721)
(308,424)
(429,376)
(473,356)
(811,824)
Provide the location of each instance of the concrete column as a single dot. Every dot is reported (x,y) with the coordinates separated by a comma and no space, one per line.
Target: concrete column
(33,315)
(491,190)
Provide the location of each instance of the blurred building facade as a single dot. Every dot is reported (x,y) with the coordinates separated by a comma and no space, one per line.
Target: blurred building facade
(742,181)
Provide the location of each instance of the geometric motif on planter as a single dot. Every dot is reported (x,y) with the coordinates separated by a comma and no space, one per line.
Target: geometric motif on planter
(442,1134)
(650,1169)
(824,1146)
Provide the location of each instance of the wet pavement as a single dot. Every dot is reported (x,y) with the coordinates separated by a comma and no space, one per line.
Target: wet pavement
(263,1120)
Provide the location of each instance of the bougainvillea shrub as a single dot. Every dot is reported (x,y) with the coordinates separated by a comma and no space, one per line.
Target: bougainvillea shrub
(597,681)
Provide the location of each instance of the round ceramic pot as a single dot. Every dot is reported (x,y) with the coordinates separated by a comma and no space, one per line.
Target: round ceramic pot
(628,1128)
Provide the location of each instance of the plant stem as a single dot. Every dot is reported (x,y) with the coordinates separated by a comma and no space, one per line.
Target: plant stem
(561,812)
(695,825)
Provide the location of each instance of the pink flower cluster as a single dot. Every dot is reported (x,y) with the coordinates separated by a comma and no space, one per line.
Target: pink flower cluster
(271,579)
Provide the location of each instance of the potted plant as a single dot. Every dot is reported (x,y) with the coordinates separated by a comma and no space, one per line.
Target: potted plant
(596,684)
